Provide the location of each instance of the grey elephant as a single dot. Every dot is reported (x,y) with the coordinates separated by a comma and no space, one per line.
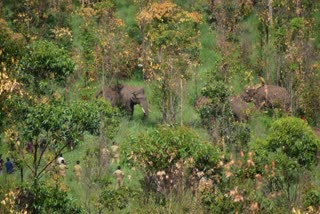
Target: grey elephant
(270,96)
(240,109)
(125,96)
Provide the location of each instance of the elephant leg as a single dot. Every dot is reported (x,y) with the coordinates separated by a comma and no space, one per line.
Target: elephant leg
(131,109)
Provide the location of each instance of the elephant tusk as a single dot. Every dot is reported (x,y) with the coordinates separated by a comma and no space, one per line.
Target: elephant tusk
(143,110)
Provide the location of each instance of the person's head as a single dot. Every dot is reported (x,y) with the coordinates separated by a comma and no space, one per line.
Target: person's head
(60,155)
(113,143)
(8,159)
(78,162)
(119,167)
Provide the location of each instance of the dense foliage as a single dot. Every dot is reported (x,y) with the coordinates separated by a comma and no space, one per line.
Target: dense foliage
(185,157)
(295,139)
(162,148)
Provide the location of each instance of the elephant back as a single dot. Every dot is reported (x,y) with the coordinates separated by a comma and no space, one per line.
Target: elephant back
(127,91)
(274,96)
(110,95)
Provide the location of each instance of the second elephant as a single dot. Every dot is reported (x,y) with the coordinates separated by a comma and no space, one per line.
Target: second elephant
(125,96)
(240,109)
(270,96)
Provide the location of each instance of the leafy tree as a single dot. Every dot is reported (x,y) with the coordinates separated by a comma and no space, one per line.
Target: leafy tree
(226,15)
(35,18)
(295,139)
(59,124)
(107,51)
(286,28)
(171,45)
(11,50)
(44,62)
(119,53)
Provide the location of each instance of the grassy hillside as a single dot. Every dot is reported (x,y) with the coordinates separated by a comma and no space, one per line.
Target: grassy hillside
(181,159)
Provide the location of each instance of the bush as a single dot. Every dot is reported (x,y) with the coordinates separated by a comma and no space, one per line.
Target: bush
(312,198)
(163,147)
(295,138)
(46,199)
(115,199)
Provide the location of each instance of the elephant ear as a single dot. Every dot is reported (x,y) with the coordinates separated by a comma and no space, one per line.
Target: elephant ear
(138,92)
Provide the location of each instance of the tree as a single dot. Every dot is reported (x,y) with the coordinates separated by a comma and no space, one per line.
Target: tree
(171,46)
(34,18)
(45,63)
(118,52)
(285,39)
(59,124)
(11,51)
(107,51)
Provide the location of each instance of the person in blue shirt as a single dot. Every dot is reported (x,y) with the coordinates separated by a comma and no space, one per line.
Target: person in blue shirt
(9,166)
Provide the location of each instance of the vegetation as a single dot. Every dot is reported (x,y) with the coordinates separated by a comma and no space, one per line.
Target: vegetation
(183,158)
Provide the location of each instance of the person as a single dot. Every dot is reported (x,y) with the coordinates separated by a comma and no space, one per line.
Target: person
(9,166)
(77,171)
(1,164)
(62,169)
(60,159)
(115,153)
(119,175)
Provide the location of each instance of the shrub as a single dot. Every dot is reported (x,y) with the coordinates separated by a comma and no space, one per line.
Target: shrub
(294,138)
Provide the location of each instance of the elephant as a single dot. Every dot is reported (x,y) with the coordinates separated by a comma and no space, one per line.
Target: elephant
(240,109)
(125,96)
(270,96)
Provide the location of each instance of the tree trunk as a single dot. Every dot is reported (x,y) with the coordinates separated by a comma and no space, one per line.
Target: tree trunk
(270,12)
(35,166)
(21,174)
(1,8)
(181,101)
(298,8)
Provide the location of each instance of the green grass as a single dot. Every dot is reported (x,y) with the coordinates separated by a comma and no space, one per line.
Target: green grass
(208,54)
